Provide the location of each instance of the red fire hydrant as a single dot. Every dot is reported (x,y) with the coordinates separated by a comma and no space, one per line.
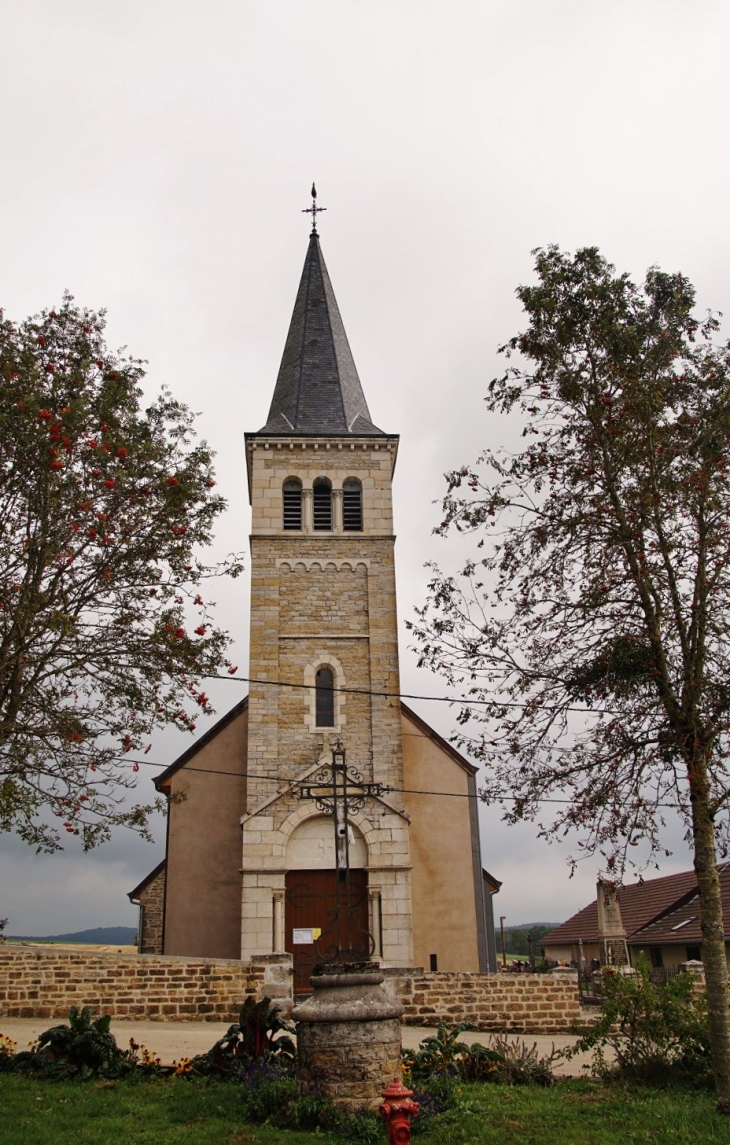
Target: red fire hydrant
(397,1110)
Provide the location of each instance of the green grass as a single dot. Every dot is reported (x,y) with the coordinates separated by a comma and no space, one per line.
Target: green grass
(581,1113)
(181,1113)
(122,1113)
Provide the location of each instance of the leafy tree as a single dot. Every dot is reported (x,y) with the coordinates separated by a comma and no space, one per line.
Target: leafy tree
(517,937)
(103,506)
(591,628)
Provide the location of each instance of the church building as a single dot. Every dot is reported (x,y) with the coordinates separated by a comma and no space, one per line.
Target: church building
(250,866)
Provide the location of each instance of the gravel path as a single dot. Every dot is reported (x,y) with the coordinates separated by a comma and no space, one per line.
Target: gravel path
(174,1040)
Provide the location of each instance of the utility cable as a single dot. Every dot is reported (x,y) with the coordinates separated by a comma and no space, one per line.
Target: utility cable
(408,696)
(391,790)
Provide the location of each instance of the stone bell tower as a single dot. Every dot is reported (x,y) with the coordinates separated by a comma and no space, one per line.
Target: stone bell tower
(324,647)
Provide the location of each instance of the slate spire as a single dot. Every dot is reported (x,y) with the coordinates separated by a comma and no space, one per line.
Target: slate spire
(318,391)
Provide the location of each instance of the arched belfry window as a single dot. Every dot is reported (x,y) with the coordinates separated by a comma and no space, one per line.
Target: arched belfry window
(352,506)
(324,698)
(292,504)
(322,505)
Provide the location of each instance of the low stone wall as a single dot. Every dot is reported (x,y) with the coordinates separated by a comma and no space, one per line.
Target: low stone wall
(43,982)
(510,1003)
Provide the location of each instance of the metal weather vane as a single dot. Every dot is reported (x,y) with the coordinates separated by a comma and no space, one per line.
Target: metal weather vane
(314,210)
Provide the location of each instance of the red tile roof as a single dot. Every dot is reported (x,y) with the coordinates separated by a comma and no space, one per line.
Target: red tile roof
(641,903)
(683,923)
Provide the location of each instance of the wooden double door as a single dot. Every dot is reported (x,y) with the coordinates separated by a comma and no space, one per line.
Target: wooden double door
(315,928)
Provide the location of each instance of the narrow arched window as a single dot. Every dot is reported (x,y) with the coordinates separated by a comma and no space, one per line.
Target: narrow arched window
(292,504)
(352,506)
(322,504)
(325,698)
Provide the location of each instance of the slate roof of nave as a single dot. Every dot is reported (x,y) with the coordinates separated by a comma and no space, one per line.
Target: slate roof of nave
(318,390)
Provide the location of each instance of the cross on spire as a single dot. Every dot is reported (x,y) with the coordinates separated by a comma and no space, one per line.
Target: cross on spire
(314,210)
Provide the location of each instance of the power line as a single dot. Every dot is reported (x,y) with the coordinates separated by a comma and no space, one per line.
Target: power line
(290,782)
(408,695)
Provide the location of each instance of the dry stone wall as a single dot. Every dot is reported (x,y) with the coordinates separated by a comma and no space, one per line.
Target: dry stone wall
(512,1003)
(44,983)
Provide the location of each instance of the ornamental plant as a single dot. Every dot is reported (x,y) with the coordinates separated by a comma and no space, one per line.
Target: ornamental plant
(440,1053)
(656,1034)
(83,1049)
(258,1042)
(105,508)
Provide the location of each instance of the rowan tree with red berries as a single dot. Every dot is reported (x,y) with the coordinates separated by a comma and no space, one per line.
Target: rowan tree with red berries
(104,508)
(592,624)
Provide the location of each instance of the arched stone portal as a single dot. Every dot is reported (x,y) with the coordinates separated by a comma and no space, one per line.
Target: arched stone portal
(312,845)
(312,928)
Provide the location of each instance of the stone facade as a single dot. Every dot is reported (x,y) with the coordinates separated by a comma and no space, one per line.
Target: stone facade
(323,599)
(203,896)
(248,862)
(151,899)
(44,983)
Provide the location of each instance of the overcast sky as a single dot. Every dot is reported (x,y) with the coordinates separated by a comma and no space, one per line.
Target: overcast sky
(157,155)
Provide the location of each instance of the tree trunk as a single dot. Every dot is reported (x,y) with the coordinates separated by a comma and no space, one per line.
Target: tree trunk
(713,938)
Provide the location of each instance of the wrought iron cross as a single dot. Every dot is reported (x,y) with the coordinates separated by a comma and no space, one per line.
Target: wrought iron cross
(314,210)
(339,791)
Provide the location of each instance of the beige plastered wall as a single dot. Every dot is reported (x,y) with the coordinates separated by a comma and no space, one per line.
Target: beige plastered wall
(672,955)
(203,886)
(568,953)
(442,876)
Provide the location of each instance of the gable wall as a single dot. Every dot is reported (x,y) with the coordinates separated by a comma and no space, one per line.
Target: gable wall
(203,885)
(445,915)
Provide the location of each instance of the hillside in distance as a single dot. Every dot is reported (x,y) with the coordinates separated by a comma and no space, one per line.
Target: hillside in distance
(545,926)
(101,935)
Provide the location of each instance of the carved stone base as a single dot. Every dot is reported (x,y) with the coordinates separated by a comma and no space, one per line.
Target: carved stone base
(348,1035)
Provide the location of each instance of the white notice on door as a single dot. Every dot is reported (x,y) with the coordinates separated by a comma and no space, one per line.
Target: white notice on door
(302,936)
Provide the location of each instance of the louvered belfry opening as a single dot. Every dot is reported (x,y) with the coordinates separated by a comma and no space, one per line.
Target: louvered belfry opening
(322,505)
(293,504)
(352,506)
(325,698)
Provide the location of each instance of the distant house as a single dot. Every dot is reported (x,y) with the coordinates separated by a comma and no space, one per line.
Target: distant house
(659,916)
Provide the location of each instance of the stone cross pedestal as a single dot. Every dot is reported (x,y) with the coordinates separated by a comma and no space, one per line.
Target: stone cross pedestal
(348,1034)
